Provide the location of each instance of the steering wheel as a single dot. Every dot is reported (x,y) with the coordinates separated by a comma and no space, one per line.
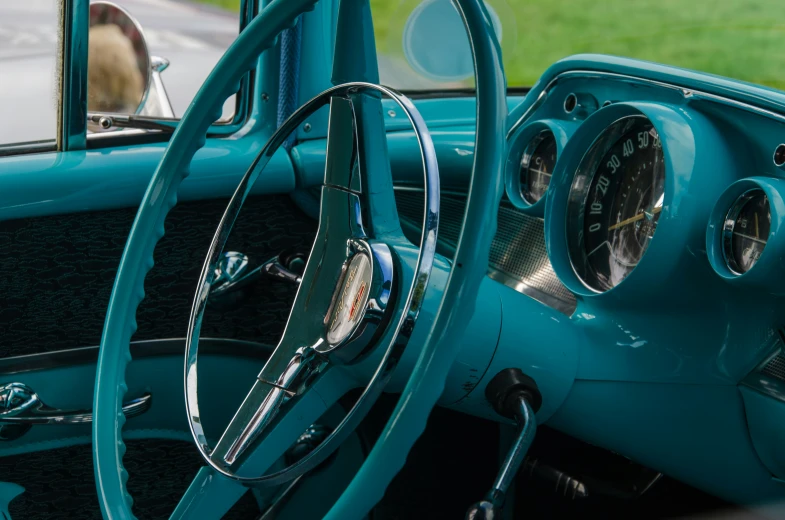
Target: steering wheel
(362,287)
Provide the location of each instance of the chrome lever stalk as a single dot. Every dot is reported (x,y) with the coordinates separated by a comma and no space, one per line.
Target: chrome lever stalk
(232,273)
(516,396)
(274,269)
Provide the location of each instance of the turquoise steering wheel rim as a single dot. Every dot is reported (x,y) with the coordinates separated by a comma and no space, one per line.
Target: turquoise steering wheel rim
(470,262)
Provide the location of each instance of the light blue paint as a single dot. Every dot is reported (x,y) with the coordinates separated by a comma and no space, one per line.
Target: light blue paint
(766,419)
(541,341)
(8,492)
(650,370)
(697,432)
(164,419)
(471,259)
(148,228)
(355,60)
(55,183)
(633,334)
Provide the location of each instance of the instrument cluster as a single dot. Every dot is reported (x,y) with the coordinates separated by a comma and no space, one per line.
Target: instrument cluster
(629,188)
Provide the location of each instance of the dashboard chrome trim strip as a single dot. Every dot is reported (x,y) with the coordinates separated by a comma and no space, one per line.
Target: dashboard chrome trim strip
(687,93)
(566,308)
(513,282)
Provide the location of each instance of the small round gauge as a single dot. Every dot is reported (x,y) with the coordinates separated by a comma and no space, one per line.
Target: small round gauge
(746,231)
(615,202)
(537,164)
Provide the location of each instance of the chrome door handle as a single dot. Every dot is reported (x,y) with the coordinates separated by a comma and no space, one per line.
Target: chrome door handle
(20,406)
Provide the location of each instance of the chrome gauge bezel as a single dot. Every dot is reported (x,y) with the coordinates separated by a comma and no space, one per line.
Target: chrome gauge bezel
(719,242)
(521,147)
(582,180)
(528,152)
(728,227)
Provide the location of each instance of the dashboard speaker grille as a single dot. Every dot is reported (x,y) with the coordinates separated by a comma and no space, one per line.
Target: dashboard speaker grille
(517,258)
(775,368)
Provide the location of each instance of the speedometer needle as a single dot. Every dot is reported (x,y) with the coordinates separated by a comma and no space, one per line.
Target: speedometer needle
(636,218)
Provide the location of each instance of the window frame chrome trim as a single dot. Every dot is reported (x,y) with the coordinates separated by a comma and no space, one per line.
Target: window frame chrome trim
(72,85)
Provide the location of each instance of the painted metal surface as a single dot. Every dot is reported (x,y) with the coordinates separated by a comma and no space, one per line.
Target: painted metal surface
(439,351)
(69,182)
(8,491)
(148,227)
(635,331)
(656,359)
(766,420)
(679,332)
(541,341)
(165,418)
(695,432)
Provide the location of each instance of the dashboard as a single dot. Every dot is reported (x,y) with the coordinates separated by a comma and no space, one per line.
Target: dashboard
(640,250)
(661,197)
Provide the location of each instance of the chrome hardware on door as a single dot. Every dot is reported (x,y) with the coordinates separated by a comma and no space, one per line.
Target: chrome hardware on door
(230,273)
(20,408)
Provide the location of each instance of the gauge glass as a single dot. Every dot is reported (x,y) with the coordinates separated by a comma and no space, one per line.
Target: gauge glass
(747,230)
(616,200)
(537,166)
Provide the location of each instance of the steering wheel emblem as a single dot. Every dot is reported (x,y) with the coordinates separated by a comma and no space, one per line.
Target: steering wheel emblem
(350,299)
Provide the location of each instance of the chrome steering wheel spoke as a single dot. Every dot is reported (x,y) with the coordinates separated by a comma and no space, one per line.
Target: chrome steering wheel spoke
(348,302)
(358,159)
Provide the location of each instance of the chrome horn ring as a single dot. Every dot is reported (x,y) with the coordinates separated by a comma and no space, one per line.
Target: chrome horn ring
(410,308)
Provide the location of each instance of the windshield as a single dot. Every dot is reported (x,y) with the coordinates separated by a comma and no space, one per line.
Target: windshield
(416,39)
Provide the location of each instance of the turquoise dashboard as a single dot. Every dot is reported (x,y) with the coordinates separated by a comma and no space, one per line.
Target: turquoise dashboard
(662,216)
(601,253)
(637,263)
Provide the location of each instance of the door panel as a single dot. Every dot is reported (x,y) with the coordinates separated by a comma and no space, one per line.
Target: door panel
(159,473)
(56,275)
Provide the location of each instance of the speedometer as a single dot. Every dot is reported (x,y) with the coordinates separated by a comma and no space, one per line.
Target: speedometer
(615,202)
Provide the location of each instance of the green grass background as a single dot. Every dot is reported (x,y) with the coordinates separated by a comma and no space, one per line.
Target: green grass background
(743,39)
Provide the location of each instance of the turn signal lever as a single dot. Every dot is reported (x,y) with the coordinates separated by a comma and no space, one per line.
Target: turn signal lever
(513,395)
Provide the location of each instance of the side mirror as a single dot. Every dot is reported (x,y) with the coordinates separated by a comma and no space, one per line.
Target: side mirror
(122,77)
(156,102)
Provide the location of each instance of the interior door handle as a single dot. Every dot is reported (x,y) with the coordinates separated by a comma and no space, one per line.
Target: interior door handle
(21,407)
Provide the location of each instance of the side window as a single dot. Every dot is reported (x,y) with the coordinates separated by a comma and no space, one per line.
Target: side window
(29,43)
(150,58)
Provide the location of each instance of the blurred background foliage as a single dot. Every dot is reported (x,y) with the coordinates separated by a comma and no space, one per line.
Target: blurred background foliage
(735,38)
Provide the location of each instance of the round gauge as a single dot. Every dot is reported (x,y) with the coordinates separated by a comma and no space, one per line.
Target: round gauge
(537,164)
(615,202)
(746,231)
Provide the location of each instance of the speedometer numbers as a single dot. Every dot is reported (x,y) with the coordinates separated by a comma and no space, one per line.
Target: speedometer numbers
(618,196)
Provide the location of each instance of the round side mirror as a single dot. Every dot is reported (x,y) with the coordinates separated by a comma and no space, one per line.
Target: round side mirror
(435,42)
(119,67)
